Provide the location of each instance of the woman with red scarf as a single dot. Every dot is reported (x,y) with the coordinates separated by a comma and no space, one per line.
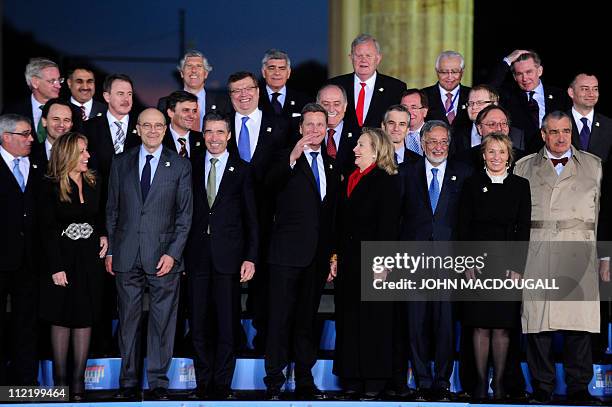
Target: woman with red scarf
(369,210)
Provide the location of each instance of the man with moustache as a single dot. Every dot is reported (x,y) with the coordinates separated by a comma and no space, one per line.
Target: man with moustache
(396,124)
(57,120)
(82,85)
(417,104)
(19,183)
(183,112)
(307,182)
(369,93)
(340,138)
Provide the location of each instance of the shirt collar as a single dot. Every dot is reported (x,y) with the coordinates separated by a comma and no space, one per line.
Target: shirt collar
(87,104)
(113,119)
(35,103)
(255,115)
(578,116)
(175,135)
(441,167)
(221,157)
(539,90)
(567,154)
(282,91)
(453,92)
(156,154)
(370,82)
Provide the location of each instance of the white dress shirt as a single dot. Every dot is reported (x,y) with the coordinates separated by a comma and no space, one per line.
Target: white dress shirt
(176,136)
(559,167)
(142,159)
(87,105)
(219,167)
(48,147)
(475,138)
(113,127)
(320,167)
(24,163)
(369,91)
(440,176)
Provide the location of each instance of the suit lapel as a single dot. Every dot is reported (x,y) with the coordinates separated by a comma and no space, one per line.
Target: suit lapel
(377,95)
(450,177)
(163,166)
(422,184)
(595,134)
(133,175)
(265,130)
(228,178)
(304,167)
(9,175)
(168,140)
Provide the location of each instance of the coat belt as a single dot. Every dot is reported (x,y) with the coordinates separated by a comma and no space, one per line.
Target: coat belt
(574,224)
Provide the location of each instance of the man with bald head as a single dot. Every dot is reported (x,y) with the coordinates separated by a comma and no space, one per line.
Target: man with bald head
(148,217)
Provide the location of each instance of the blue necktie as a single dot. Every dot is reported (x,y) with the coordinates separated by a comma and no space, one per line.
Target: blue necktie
(434,190)
(585,134)
(18,175)
(145,178)
(413,144)
(315,170)
(244,144)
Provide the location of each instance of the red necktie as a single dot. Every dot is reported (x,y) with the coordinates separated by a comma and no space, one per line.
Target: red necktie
(450,113)
(360,104)
(331,144)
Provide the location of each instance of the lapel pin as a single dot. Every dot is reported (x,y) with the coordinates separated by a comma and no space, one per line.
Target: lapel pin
(213,107)
(462,107)
(349,135)
(454,178)
(34,166)
(381,89)
(134,131)
(550,96)
(269,129)
(331,167)
(197,144)
(231,169)
(292,103)
(167,164)
(596,124)
(99,114)
(484,189)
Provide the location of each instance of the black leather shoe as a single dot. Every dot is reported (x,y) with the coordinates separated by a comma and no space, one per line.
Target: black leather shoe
(309,393)
(540,397)
(347,395)
(422,395)
(125,393)
(398,394)
(442,395)
(199,393)
(273,394)
(160,394)
(369,396)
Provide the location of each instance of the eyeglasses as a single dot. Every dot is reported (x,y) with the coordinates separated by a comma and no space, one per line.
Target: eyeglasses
(432,143)
(24,134)
(53,82)
(494,125)
(415,107)
(149,126)
(479,103)
(452,72)
(249,89)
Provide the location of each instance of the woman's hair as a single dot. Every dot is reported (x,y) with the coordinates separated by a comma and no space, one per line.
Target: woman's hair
(65,156)
(383,148)
(501,138)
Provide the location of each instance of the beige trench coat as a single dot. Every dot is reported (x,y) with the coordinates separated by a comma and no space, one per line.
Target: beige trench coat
(573,199)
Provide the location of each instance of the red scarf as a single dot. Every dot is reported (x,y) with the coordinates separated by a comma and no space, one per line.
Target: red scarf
(355,177)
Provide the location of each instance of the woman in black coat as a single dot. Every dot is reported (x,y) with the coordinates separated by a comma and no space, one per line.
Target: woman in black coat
(369,210)
(495,206)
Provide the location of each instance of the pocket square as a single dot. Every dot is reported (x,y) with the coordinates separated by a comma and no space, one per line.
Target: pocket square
(296,114)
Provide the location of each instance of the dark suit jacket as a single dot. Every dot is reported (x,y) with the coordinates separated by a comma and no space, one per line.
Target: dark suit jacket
(419,222)
(514,99)
(294,102)
(19,224)
(196,144)
(600,142)
(303,224)
(387,92)
(410,155)
(345,157)
(214,103)
(24,108)
(158,226)
(38,156)
(234,234)
(437,111)
(97,108)
(462,138)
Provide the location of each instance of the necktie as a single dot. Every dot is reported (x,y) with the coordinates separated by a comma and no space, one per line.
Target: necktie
(183,151)
(396,158)
(585,134)
(145,178)
(557,161)
(315,170)
(448,105)
(244,144)
(211,183)
(360,104)
(119,138)
(41,132)
(534,109)
(18,175)
(434,190)
(413,143)
(83,112)
(331,144)
(278,109)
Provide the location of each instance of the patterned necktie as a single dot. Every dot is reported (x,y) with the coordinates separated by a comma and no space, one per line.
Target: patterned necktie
(244,144)
(211,183)
(41,131)
(450,113)
(585,134)
(83,113)
(434,190)
(18,175)
(119,138)
(534,109)
(278,109)
(413,144)
(183,151)
(145,178)
(315,170)
(331,144)
(360,104)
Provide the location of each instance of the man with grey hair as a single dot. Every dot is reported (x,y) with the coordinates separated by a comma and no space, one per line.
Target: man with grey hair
(194,69)
(369,92)
(43,78)
(448,97)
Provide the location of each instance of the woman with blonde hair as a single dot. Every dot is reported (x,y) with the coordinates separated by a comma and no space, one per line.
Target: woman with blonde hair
(369,210)
(74,241)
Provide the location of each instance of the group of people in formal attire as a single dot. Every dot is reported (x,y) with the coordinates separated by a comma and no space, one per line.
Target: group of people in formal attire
(191,199)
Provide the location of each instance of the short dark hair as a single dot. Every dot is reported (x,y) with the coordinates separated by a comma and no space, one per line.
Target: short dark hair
(56,101)
(108,81)
(481,115)
(556,115)
(180,96)
(312,108)
(82,68)
(216,117)
(237,76)
(530,54)
(415,91)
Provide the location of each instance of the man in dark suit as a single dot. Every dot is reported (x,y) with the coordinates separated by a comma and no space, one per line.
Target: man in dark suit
(396,123)
(527,99)
(340,139)
(415,100)
(369,92)
(43,78)
(19,183)
(221,253)
(183,112)
(194,69)
(448,97)
(432,188)
(82,85)
(307,184)
(57,119)
(148,216)
(591,130)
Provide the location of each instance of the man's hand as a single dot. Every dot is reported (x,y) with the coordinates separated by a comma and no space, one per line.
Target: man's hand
(299,148)
(247,271)
(515,54)
(604,270)
(333,270)
(59,278)
(164,265)
(108,265)
(103,246)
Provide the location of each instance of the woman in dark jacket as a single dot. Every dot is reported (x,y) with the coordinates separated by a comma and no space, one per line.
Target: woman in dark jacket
(368,210)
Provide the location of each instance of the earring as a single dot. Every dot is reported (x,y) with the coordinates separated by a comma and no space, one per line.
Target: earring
(507,164)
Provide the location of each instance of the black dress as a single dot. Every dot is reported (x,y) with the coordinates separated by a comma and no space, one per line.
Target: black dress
(78,304)
(364,330)
(494,212)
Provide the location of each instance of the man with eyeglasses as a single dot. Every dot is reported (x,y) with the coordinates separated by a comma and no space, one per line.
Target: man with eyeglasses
(82,85)
(527,99)
(369,92)
(432,186)
(148,217)
(19,184)
(43,78)
(448,97)
(417,104)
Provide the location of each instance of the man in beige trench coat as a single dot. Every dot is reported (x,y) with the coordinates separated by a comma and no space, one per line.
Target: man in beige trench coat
(565,190)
